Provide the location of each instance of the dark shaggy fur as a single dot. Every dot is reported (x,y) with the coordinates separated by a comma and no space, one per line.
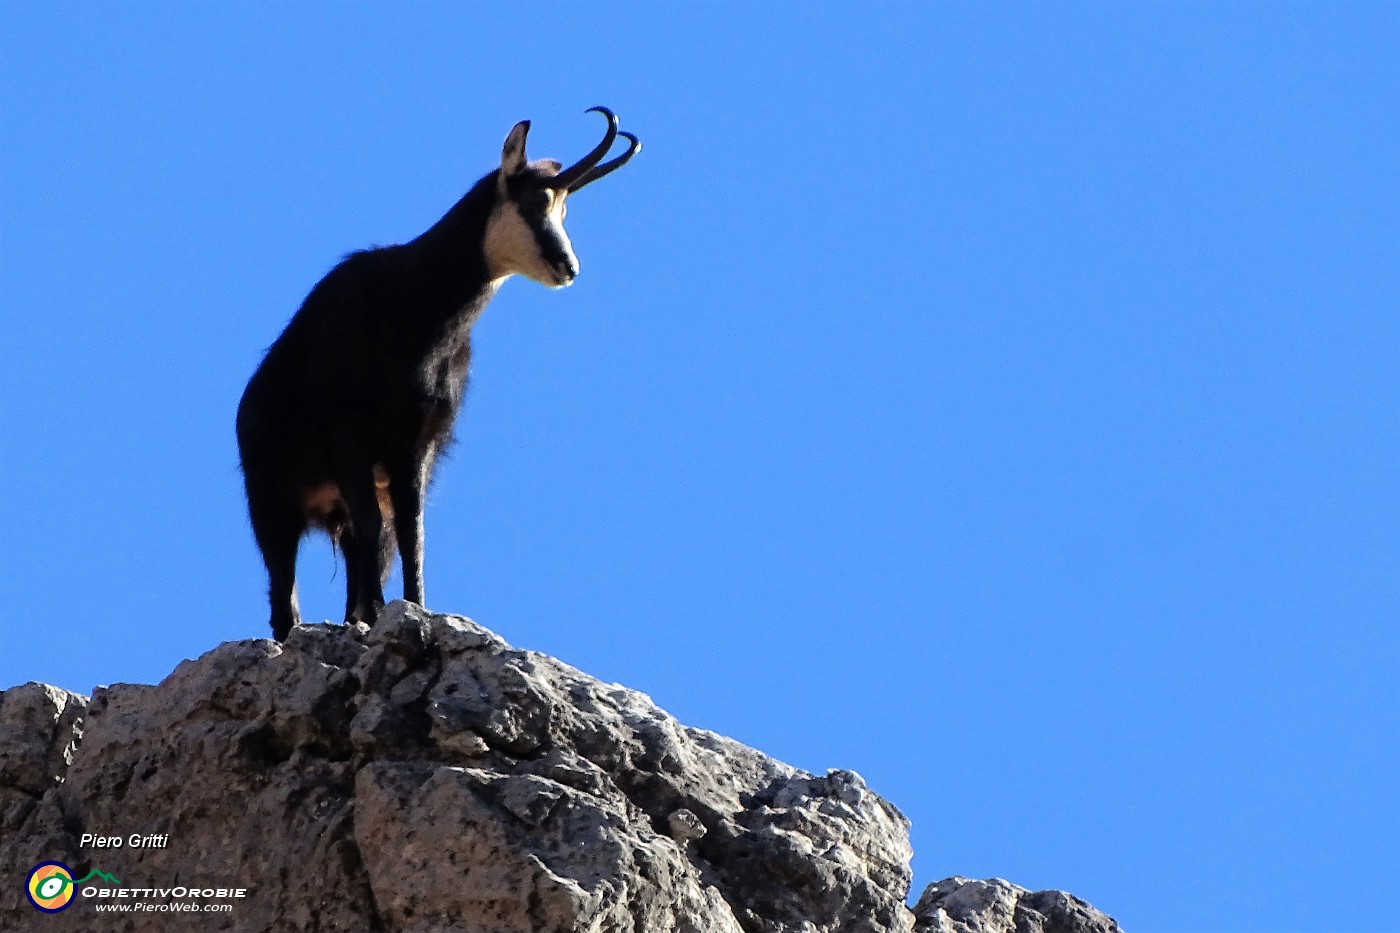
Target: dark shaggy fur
(339,427)
(354,401)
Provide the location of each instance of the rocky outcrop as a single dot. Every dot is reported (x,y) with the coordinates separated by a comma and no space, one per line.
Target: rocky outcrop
(958,905)
(40,728)
(422,775)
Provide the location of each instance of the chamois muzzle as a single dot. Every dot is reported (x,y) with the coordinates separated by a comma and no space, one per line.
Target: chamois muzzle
(588,169)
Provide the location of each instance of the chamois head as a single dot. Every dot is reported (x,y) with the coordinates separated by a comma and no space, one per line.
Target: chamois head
(525,233)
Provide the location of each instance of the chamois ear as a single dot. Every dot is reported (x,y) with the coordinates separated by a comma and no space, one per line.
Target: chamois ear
(513,153)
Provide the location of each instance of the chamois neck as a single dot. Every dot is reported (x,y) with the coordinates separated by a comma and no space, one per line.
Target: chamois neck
(452,254)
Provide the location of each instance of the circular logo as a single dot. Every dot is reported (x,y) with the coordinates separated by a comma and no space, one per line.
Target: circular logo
(50,887)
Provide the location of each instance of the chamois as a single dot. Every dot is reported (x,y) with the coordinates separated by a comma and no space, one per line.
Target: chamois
(340,425)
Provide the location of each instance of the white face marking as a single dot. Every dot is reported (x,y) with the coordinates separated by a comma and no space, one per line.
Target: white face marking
(512,248)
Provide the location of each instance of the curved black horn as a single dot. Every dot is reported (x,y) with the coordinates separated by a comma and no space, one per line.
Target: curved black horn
(573,173)
(609,167)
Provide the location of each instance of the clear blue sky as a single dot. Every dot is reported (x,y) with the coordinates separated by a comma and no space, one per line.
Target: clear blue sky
(1000,401)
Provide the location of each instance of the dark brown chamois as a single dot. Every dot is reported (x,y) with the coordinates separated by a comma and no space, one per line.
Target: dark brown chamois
(340,424)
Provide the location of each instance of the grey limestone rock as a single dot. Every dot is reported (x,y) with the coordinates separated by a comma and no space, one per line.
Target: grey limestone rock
(40,730)
(959,905)
(422,776)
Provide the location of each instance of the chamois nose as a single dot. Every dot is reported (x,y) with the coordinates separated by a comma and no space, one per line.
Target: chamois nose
(566,270)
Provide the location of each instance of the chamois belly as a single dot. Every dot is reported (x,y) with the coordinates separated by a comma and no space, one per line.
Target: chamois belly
(324,506)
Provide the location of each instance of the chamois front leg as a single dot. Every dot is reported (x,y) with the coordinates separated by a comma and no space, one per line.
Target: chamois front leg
(349,549)
(407,489)
(348,545)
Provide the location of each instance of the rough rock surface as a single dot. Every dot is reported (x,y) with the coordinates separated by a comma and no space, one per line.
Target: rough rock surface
(422,775)
(40,728)
(958,905)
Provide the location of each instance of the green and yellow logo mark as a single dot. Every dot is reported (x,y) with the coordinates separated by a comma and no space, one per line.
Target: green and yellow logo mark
(50,885)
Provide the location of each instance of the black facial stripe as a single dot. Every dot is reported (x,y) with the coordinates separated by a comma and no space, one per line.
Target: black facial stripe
(526,193)
(551,247)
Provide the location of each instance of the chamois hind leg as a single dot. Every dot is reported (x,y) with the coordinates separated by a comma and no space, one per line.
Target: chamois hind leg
(278,533)
(365,546)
